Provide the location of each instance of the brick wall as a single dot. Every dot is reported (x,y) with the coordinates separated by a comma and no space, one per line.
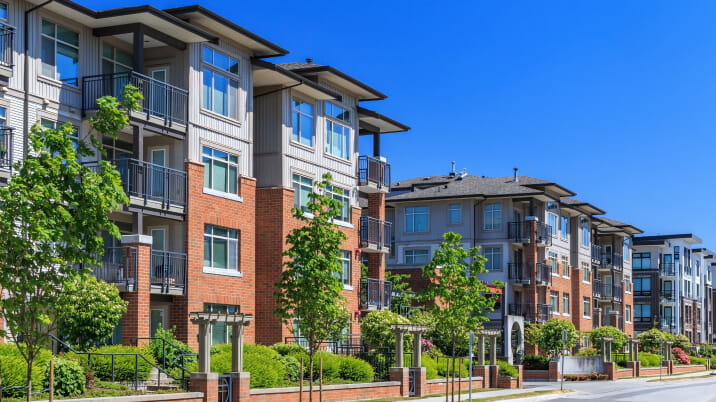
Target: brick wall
(629,301)
(346,392)
(580,290)
(135,323)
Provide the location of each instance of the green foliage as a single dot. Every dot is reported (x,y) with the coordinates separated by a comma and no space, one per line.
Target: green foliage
(507,370)
(532,332)
(698,360)
(460,301)
(620,338)
(588,352)
(534,362)
(89,311)
(651,340)
(445,367)
(124,366)
(69,378)
(375,328)
(13,370)
(288,348)
(291,366)
(550,335)
(679,341)
(266,372)
(353,369)
(706,350)
(171,357)
(431,366)
(309,287)
(649,359)
(401,287)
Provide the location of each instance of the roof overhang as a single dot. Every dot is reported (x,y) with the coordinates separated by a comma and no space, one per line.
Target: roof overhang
(363,91)
(269,75)
(583,207)
(688,238)
(375,123)
(553,188)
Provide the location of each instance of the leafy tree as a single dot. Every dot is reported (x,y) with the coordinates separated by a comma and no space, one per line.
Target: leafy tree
(532,332)
(651,340)
(399,285)
(89,311)
(309,289)
(375,328)
(51,213)
(680,341)
(550,336)
(619,338)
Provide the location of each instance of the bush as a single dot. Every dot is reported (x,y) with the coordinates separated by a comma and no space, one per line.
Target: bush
(706,350)
(13,370)
(680,341)
(533,362)
(171,356)
(69,378)
(431,366)
(291,366)
(588,352)
(354,369)
(288,348)
(680,356)
(262,350)
(649,359)
(549,337)
(444,371)
(507,370)
(651,340)
(375,328)
(619,338)
(698,360)
(124,366)
(266,372)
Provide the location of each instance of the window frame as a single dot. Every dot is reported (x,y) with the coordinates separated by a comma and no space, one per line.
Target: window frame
(298,135)
(347,133)
(230,77)
(56,40)
(565,303)
(410,214)
(554,301)
(343,196)
(587,307)
(492,217)
(297,201)
(641,257)
(208,307)
(489,253)
(413,256)
(229,240)
(345,256)
(553,265)
(563,227)
(454,208)
(229,165)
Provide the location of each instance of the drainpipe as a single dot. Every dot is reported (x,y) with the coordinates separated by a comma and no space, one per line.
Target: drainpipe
(26,74)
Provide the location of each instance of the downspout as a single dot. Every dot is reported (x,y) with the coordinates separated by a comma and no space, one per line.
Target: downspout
(26,74)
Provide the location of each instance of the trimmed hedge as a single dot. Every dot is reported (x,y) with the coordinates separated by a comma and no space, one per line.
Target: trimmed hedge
(649,359)
(13,370)
(507,370)
(357,370)
(534,362)
(124,366)
(288,348)
(431,366)
(698,360)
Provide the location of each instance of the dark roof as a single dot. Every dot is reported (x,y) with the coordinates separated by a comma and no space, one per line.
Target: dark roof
(658,239)
(584,207)
(315,69)
(372,122)
(296,78)
(614,226)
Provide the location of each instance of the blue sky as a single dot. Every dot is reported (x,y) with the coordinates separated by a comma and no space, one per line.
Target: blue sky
(614,100)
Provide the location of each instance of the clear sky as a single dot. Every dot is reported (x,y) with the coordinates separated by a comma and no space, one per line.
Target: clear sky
(614,100)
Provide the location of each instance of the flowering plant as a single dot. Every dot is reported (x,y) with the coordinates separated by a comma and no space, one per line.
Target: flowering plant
(681,356)
(426,345)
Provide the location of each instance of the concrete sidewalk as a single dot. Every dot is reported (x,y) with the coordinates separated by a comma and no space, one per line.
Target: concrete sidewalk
(491,394)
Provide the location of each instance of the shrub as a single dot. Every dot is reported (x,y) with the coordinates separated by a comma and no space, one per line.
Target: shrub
(124,366)
(262,350)
(69,377)
(550,335)
(706,350)
(354,369)
(680,341)
(507,370)
(697,360)
(651,340)
(680,356)
(444,371)
(169,356)
(619,338)
(649,359)
(288,348)
(588,352)
(534,362)
(13,370)
(375,328)
(331,365)
(266,372)
(291,366)
(431,366)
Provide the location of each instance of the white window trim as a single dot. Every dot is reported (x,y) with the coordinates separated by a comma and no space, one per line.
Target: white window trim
(54,80)
(314,137)
(349,125)
(225,271)
(229,76)
(222,271)
(405,217)
(484,218)
(448,215)
(217,193)
(502,256)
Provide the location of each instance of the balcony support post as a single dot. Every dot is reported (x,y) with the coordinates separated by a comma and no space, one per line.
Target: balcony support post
(136,319)
(138,47)
(376,145)
(138,133)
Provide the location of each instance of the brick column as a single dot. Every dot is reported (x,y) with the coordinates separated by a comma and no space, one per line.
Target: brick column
(494,372)
(135,323)
(610,369)
(376,261)
(520,375)
(401,374)
(421,381)
(482,371)
(635,368)
(207,383)
(554,371)
(240,386)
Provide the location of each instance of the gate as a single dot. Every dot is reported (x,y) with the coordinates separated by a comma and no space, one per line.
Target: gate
(412,379)
(225,387)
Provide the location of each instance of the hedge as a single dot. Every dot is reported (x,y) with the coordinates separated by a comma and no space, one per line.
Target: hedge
(649,359)
(69,377)
(507,370)
(13,370)
(534,362)
(124,365)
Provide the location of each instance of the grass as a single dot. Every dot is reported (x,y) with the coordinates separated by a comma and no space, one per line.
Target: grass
(494,398)
(670,378)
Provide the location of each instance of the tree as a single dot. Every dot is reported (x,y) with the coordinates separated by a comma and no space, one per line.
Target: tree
(375,328)
(51,214)
(459,297)
(650,340)
(550,336)
(90,311)
(309,290)
(619,338)
(400,286)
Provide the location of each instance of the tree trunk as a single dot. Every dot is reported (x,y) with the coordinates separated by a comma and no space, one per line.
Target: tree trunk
(310,375)
(29,380)
(454,341)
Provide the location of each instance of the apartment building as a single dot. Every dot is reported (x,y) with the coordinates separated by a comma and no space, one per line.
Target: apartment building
(536,239)
(216,121)
(672,285)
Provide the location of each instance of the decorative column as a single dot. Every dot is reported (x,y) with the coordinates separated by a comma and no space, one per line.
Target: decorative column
(481,349)
(607,348)
(399,338)
(493,350)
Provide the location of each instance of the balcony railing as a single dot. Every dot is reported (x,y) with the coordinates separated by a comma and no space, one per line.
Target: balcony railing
(540,314)
(667,269)
(544,274)
(374,235)
(613,260)
(597,288)
(7,34)
(544,312)
(161,101)
(642,293)
(517,274)
(153,182)
(118,266)
(521,232)
(613,292)
(373,174)
(168,271)
(5,147)
(668,296)
(667,323)
(375,294)
(596,254)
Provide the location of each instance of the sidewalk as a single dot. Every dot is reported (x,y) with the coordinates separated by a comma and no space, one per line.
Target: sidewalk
(491,394)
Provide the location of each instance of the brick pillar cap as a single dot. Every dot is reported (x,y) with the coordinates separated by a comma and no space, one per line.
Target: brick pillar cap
(137,239)
(205,376)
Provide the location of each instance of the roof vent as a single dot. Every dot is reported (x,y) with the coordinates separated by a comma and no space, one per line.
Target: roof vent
(309,60)
(516,179)
(462,174)
(452,171)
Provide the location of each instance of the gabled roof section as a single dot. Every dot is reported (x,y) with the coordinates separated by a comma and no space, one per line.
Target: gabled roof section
(611,226)
(686,237)
(271,75)
(375,123)
(363,91)
(260,46)
(580,206)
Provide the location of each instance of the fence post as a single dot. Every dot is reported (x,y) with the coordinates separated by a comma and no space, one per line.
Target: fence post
(300,384)
(320,379)
(52,380)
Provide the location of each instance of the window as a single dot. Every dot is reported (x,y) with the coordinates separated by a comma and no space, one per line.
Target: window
(220,332)
(455,214)
(563,227)
(627,313)
(627,248)
(115,60)
(302,187)
(586,272)
(642,286)
(642,312)
(302,122)
(338,132)
(565,303)
(494,258)
(345,275)
(493,217)
(416,256)
(220,83)
(627,284)
(3,11)
(60,53)
(221,170)
(641,261)
(565,265)
(552,222)
(584,224)
(344,197)
(554,301)
(416,219)
(586,307)
(553,263)
(221,248)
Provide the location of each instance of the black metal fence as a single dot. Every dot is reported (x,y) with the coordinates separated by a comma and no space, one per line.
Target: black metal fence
(153,182)
(7,34)
(373,171)
(375,293)
(118,266)
(516,272)
(667,269)
(544,274)
(374,233)
(5,146)
(168,270)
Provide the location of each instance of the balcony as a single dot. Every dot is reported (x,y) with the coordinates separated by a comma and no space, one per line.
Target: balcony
(375,294)
(521,232)
(5,147)
(544,312)
(596,254)
(667,269)
(544,274)
(597,317)
(688,270)
(642,293)
(667,324)
(153,186)
(668,296)
(373,175)
(7,62)
(374,235)
(163,105)
(517,274)
(611,293)
(118,266)
(613,261)
(597,288)
(541,314)
(168,272)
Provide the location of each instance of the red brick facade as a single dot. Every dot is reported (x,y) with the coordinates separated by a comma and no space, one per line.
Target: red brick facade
(135,323)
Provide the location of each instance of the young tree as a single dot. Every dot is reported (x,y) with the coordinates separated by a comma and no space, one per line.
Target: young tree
(400,286)
(460,297)
(309,290)
(549,337)
(90,311)
(51,215)
(620,339)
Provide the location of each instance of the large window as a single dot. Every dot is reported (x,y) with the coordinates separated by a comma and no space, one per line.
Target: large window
(642,312)
(565,265)
(494,258)
(492,217)
(584,225)
(54,125)
(221,248)
(552,257)
(552,222)
(302,187)
(115,60)
(221,170)
(338,132)
(641,261)
(416,219)
(627,313)
(565,303)
(563,226)
(345,275)
(586,307)
(416,256)
(554,301)
(627,248)
(221,83)
(302,122)
(220,332)
(642,286)
(586,272)
(60,53)
(344,197)
(454,214)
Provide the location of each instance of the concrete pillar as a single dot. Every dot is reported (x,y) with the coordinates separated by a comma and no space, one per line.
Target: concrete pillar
(399,349)
(204,347)
(206,383)
(237,347)
(417,360)
(136,320)
(481,350)
(493,350)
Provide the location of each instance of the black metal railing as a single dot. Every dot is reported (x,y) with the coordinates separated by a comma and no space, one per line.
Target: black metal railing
(596,254)
(374,233)
(153,182)
(668,295)
(7,34)
(544,274)
(118,266)
(641,293)
(516,273)
(348,344)
(613,260)
(5,147)
(544,312)
(613,292)
(597,288)
(667,269)
(168,270)
(375,293)
(521,232)
(373,171)
(667,323)
(161,100)
(179,363)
